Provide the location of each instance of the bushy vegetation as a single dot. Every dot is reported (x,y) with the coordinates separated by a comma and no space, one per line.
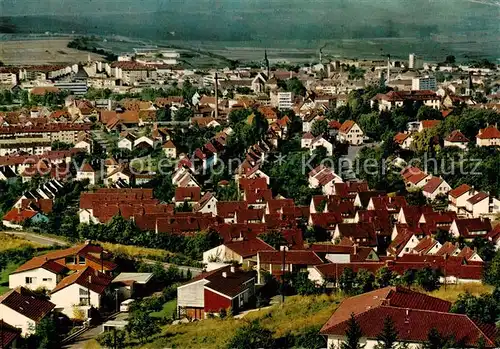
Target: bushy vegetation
(309,313)
(84,43)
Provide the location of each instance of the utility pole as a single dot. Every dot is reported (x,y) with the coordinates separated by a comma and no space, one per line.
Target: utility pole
(283,249)
(216,96)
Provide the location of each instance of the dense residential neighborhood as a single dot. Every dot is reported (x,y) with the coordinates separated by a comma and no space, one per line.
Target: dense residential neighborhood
(141,199)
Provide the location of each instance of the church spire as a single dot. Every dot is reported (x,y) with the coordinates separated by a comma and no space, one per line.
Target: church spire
(266,62)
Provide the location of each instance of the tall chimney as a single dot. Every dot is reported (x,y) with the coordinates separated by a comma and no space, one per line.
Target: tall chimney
(216,97)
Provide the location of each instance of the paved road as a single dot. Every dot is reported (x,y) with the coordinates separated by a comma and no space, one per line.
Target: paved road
(39,239)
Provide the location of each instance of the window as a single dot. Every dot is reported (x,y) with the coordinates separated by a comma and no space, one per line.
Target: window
(47,279)
(84,296)
(30,280)
(81,260)
(69,260)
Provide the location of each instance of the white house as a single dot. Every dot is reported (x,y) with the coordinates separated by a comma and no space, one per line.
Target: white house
(403,139)
(24,309)
(84,143)
(87,172)
(169,149)
(434,187)
(456,139)
(145,141)
(351,133)
(207,204)
(489,136)
(81,290)
(477,205)
(458,197)
(127,142)
(34,276)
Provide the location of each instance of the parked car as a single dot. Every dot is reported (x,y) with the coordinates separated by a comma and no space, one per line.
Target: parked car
(125,305)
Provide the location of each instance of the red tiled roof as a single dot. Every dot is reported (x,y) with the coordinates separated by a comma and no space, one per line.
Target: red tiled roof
(8,333)
(425,245)
(469,227)
(414,325)
(346,126)
(400,137)
(456,137)
(429,123)
(478,198)
(248,248)
(17,215)
(27,303)
(40,91)
(187,193)
(226,209)
(297,257)
(459,191)
(334,124)
(490,132)
(88,278)
(433,183)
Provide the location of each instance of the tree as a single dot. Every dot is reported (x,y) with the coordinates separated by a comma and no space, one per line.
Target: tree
(428,278)
(310,338)
(353,335)
(303,285)
(388,336)
(416,198)
(183,114)
(251,336)
(296,86)
(141,326)
(112,339)
(492,271)
(485,308)
(440,202)
(435,340)
(428,113)
(347,281)
(364,281)
(370,124)
(385,277)
(319,127)
(274,239)
(46,334)
(450,59)
(425,141)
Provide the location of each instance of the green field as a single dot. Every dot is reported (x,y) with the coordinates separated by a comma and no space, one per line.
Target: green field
(4,276)
(167,311)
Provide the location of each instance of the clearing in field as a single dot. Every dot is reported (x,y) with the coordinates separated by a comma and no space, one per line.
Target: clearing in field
(34,52)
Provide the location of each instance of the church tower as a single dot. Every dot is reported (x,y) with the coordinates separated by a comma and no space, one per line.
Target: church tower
(266,63)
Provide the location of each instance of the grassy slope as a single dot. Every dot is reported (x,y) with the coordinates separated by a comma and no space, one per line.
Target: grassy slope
(8,242)
(134,251)
(167,311)
(305,312)
(215,333)
(4,276)
(452,291)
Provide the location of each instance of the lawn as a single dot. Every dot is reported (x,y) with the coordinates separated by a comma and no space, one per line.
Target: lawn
(167,310)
